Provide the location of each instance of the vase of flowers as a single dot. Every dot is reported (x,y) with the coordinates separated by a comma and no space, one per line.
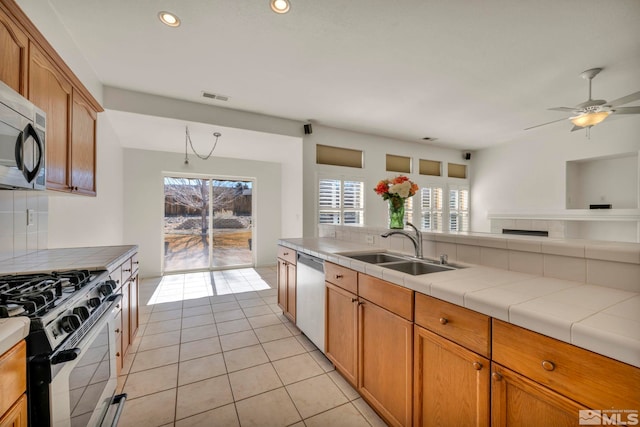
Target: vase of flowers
(396,191)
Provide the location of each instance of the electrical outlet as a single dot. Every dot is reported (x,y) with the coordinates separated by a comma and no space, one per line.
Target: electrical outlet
(31,217)
(370,239)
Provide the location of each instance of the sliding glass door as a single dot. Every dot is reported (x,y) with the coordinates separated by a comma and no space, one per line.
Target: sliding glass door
(208,223)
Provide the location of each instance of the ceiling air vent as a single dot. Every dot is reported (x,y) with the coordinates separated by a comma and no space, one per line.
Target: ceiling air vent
(428,138)
(215,96)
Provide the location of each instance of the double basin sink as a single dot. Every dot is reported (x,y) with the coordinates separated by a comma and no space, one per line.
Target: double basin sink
(402,263)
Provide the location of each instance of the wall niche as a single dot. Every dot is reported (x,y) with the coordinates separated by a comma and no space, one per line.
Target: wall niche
(610,180)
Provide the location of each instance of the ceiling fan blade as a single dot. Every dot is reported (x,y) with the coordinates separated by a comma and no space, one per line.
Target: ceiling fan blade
(548,123)
(627,110)
(625,99)
(562,109)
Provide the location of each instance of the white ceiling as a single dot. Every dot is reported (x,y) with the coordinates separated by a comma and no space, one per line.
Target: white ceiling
(470,73)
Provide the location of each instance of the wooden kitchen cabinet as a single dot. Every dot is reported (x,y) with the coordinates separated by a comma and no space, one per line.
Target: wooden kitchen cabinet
(519,402)
(13,387)
(50,91)
(385,362)
(555,379)
(451,383)
(126,316)
(82,166)
(451,372)
(127,275)
(287,281)
(14,49)
(341,331)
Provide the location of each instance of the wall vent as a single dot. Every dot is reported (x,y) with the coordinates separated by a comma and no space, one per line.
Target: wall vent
(215,96)
(428,138)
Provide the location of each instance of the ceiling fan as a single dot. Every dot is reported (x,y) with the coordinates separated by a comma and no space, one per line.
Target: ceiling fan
(593,111)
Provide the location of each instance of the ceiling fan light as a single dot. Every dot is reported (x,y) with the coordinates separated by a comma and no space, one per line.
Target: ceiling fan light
(590,119)
(280,6)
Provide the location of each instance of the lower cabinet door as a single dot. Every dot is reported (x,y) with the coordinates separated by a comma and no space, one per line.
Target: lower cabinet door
(451,383)
(520,402)
(341,331)
(385,357)
(17,415)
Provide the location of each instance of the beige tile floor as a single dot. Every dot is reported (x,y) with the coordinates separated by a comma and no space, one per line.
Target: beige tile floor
(214,349)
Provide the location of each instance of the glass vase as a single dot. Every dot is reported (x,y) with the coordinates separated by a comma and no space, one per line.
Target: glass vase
(396,213)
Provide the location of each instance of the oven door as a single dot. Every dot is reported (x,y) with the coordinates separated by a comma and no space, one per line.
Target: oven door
(82,389)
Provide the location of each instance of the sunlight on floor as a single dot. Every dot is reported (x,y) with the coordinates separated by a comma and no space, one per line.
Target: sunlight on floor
(188,286)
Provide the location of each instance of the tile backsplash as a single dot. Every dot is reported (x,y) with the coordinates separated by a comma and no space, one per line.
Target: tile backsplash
(603,263)
(17,235)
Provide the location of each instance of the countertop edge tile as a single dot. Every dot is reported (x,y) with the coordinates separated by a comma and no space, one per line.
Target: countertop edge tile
(12,330)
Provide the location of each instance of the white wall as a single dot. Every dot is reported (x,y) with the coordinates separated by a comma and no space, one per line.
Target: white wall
(144,200)
(375,149)
(76,221)
(531,173)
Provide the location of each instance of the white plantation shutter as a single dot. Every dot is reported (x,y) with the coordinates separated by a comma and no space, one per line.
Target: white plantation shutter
(353,202)
(329,198)
(458,208)
(340,202)
(431,208)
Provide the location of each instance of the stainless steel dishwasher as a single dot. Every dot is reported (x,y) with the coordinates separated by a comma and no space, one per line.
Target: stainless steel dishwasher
(310,298)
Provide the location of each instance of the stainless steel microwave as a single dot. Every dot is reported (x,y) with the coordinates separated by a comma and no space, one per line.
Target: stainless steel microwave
(22,142)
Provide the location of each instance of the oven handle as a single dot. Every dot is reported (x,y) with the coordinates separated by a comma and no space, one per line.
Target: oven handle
(119,400)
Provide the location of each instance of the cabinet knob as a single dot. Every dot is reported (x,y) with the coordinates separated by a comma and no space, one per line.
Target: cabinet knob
(477,366)
(117,330)
(339,276)
(360,302)
(354,299)
(444,320)
(285,253)
(496,376)
(126,270)
(548,366)
(118,354)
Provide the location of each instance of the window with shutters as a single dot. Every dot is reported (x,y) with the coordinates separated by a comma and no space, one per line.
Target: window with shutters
(458,208)
(431,208)
(340,201)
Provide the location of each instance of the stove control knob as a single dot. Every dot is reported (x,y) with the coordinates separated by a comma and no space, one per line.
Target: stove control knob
(106,289)
(82,313)
(70,322)
(94,302)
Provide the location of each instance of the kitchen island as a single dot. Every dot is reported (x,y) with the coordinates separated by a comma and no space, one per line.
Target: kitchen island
(477,340)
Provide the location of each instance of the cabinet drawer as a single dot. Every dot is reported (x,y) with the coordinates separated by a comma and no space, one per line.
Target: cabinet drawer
(13,371)
(392,297)
(461,325)
(287,254)
(341,276)
(126,270)
(589,378)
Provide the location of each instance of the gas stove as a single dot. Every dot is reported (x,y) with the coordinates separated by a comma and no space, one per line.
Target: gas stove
(57,303)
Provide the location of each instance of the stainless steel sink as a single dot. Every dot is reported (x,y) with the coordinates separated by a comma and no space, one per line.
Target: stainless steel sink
(376,258)
(417,268)
(402,263)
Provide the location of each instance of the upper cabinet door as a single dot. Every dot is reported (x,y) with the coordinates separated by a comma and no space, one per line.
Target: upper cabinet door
(83,146)
(50,91)
(13,54)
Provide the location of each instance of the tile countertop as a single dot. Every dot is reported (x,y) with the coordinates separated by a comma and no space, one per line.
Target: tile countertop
(89,258)
(94,258)
(601,319)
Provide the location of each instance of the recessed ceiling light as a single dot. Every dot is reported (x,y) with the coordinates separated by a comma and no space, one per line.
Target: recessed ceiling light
(280,6)
(169,19)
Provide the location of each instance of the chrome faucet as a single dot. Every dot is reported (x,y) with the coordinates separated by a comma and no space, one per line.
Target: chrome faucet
(416,240)
(444,259)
